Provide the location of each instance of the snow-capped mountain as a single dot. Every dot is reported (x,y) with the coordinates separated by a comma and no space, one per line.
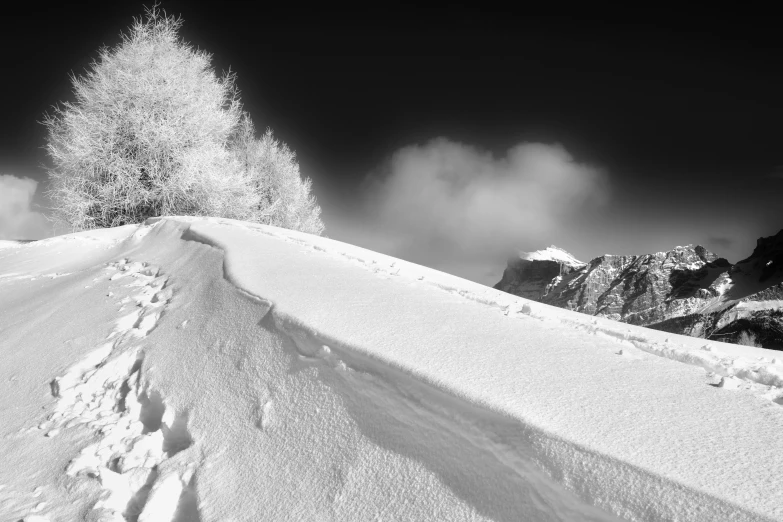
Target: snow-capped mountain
(687,290)
(532,274)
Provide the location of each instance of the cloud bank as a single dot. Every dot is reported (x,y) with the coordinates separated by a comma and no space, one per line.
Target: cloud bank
(17,219)
(446,201)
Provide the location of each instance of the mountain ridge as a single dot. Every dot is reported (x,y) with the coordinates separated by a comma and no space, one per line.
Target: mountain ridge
(688,290)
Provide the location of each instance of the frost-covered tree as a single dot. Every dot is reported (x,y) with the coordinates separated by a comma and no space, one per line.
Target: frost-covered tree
(286,199)
(154,131)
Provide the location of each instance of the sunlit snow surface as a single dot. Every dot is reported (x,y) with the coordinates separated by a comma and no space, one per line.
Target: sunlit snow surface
(203,369)
(552,253)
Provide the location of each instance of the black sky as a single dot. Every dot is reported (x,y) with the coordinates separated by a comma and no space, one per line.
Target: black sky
(681,109)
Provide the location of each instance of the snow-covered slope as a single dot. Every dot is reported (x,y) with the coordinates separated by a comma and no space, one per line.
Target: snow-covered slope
(204,369)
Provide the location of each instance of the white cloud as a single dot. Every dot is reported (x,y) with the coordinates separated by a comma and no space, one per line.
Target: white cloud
(446,200)
(17,219)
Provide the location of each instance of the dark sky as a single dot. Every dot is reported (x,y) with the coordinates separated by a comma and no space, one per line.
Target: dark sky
(666,122)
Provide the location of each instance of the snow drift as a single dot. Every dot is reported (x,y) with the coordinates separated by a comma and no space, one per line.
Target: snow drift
(194,369)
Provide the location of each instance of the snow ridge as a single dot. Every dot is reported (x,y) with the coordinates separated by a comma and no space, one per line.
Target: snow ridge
(357,365)
(718,359)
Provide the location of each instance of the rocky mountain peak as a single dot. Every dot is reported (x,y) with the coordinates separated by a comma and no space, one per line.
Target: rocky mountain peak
(653,289)
(766,261)
(530,274)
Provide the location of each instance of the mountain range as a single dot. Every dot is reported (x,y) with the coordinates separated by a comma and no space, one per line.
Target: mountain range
(687,290)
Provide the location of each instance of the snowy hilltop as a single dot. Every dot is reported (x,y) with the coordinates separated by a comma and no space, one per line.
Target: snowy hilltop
(202,369)
(687,290)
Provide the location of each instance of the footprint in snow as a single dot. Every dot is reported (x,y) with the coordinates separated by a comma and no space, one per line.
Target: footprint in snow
(104,393)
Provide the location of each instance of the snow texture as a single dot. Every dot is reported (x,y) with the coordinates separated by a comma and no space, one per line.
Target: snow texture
(552,253)
(198,369)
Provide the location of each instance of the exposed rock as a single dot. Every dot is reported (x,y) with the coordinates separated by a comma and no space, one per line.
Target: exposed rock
(532,273)
(687,290)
